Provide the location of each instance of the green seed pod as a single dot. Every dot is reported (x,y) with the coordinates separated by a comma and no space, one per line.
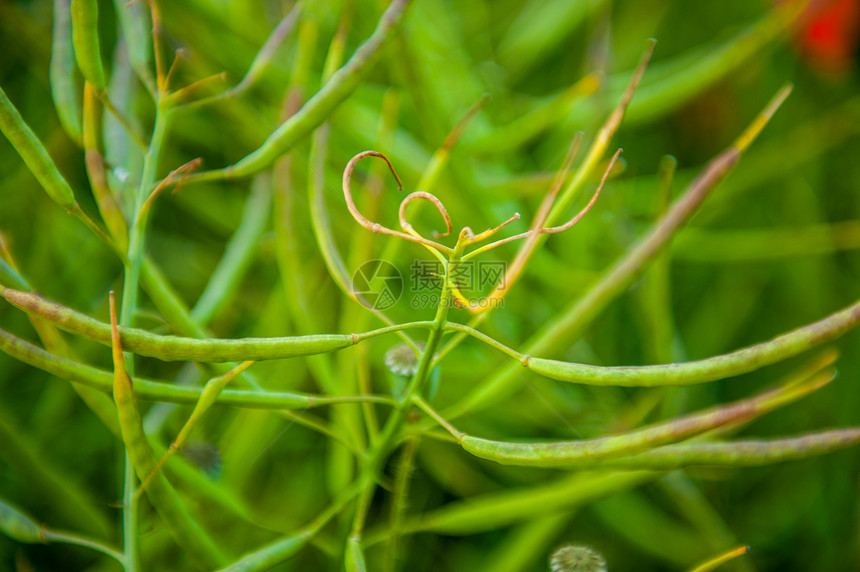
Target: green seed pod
(719,367)
(269,555)
(159,391)
(571,453)
(85,36)
(136,26)
(740,453)
(354,557)
(577,558)
(64,88)
(19,526)
(326,100)
(184,529)
(172,348)
(34,154)
(95,163)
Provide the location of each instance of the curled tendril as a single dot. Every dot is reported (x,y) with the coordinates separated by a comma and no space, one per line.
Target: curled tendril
(466,236)
(532,236)
(409,232)
(473,238)
(375,226)
(404,224)
(180,172)
(553,229)
(587,207)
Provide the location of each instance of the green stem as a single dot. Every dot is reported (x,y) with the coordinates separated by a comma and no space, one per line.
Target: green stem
(138,228)
(354,556)
(131,557)
(399,500)
(131,281)
(388,435)
(70,538)
(282,549)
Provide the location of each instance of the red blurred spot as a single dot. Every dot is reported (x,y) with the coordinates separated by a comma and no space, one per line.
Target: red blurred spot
(828,36)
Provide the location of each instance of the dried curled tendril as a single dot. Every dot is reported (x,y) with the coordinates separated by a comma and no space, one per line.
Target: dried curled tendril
(466,236)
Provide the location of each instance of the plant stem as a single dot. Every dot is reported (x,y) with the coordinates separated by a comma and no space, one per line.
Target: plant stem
(399,501)
(70,538)
(129,305)
(131,558)
(138,228)
(387,438)
(382,446)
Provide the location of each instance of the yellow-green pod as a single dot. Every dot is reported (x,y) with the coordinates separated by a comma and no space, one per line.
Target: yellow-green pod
(572,453)
(208,397)
(724,366)
(95,163)
(64,88)
(173,348)
(185,530)
(85,36)
(717,561)
(269,555)
(18,526)
(326,100)
(354,557)
(158,391)
(136,26)
(741,453)
(34,154)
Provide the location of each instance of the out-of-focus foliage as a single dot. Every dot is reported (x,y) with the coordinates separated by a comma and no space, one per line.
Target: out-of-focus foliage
(772,248)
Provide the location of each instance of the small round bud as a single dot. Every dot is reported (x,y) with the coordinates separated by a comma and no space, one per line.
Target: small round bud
(577,558)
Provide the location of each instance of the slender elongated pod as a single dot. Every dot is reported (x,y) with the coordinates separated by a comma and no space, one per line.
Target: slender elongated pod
(569,453)
(175,348)
(711,369)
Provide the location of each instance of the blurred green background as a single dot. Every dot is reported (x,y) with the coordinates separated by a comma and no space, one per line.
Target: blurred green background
(773,248)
